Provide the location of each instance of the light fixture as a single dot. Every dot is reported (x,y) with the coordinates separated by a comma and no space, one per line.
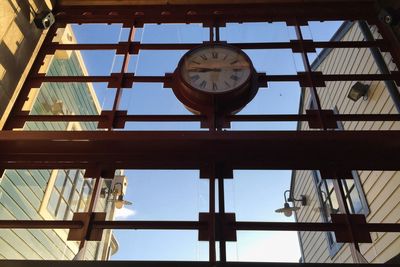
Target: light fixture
(357,91)
(44,20)
(118,195)
(120,202)
(287,210)
(57,108)
(388,15)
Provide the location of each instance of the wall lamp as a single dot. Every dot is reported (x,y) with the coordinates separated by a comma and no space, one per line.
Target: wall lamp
(357,91)
(287,210)
(118,195)
(57,108)
(44,20)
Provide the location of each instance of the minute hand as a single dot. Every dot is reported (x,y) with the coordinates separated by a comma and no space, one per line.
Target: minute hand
(205,70)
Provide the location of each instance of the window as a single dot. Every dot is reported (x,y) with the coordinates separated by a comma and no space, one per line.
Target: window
(67,191)
(354,197)
(70,194)
(328,197)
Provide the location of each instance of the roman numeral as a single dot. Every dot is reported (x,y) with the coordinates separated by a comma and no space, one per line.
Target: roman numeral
(227,84)
(195,62)
(235,78)
(234,62)
(215,87)
(203,84)
(214,54)
(203,57)
(194,78)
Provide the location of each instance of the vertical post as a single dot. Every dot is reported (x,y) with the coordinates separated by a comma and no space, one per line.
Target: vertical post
(217,36)
(380,62)
(211,225)
(221,212)
(212,119)
(308,69)
(124,69)
(391,39)
(343,207)
(91,210)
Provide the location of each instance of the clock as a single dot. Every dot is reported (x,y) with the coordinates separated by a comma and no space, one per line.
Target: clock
(215,69)
(215,78)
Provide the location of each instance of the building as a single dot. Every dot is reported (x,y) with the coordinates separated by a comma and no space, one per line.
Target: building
(54,194)
(376,194)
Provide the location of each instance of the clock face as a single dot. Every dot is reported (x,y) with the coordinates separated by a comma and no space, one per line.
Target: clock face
(216,69)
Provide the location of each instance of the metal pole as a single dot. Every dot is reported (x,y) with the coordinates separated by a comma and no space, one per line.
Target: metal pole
(343,207)
(211,34)
(124,69)
(211,224)
(308,70)
(381,64)
(92,207)
(221,211)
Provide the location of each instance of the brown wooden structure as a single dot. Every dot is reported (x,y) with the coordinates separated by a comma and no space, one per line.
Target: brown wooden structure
(100,153)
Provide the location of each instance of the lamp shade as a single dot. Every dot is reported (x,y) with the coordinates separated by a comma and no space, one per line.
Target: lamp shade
(120,202)
(287,210)
(357,91)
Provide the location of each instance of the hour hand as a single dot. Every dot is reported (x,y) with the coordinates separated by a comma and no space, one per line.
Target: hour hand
(205,70)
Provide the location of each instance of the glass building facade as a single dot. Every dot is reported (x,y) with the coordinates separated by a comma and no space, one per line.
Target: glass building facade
(53,194)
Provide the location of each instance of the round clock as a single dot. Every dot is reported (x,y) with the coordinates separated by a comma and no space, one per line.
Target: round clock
(216,77)
(216,69)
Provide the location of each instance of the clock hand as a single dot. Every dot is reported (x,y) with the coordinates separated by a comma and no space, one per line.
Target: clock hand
(205,70)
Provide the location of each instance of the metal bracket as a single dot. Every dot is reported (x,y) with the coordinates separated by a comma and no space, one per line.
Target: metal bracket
(218,170)
(109,117)
(224,226)
(123,80)
(336,174)
(87,232)
(327,116)
(97,172)
(317,79)
(308,46)
(346,235)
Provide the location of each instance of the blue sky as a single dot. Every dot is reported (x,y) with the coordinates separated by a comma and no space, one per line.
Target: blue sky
(181,195)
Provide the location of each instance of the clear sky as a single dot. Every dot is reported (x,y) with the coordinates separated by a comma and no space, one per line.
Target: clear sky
(181,195)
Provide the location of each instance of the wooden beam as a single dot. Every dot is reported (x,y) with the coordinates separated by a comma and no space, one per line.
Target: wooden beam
(359,150)
(186,2)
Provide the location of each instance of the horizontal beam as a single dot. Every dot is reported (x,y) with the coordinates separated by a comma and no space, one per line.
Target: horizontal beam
(244,226)
(129,78)
(39,224)
(359,150)
(195,225)
(305,117)
(135,47)
(186,2)
(19,120)
(41,263)
(126,118)
(217,14)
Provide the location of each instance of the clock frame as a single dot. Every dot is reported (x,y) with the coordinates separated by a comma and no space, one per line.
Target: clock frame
(205,102)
